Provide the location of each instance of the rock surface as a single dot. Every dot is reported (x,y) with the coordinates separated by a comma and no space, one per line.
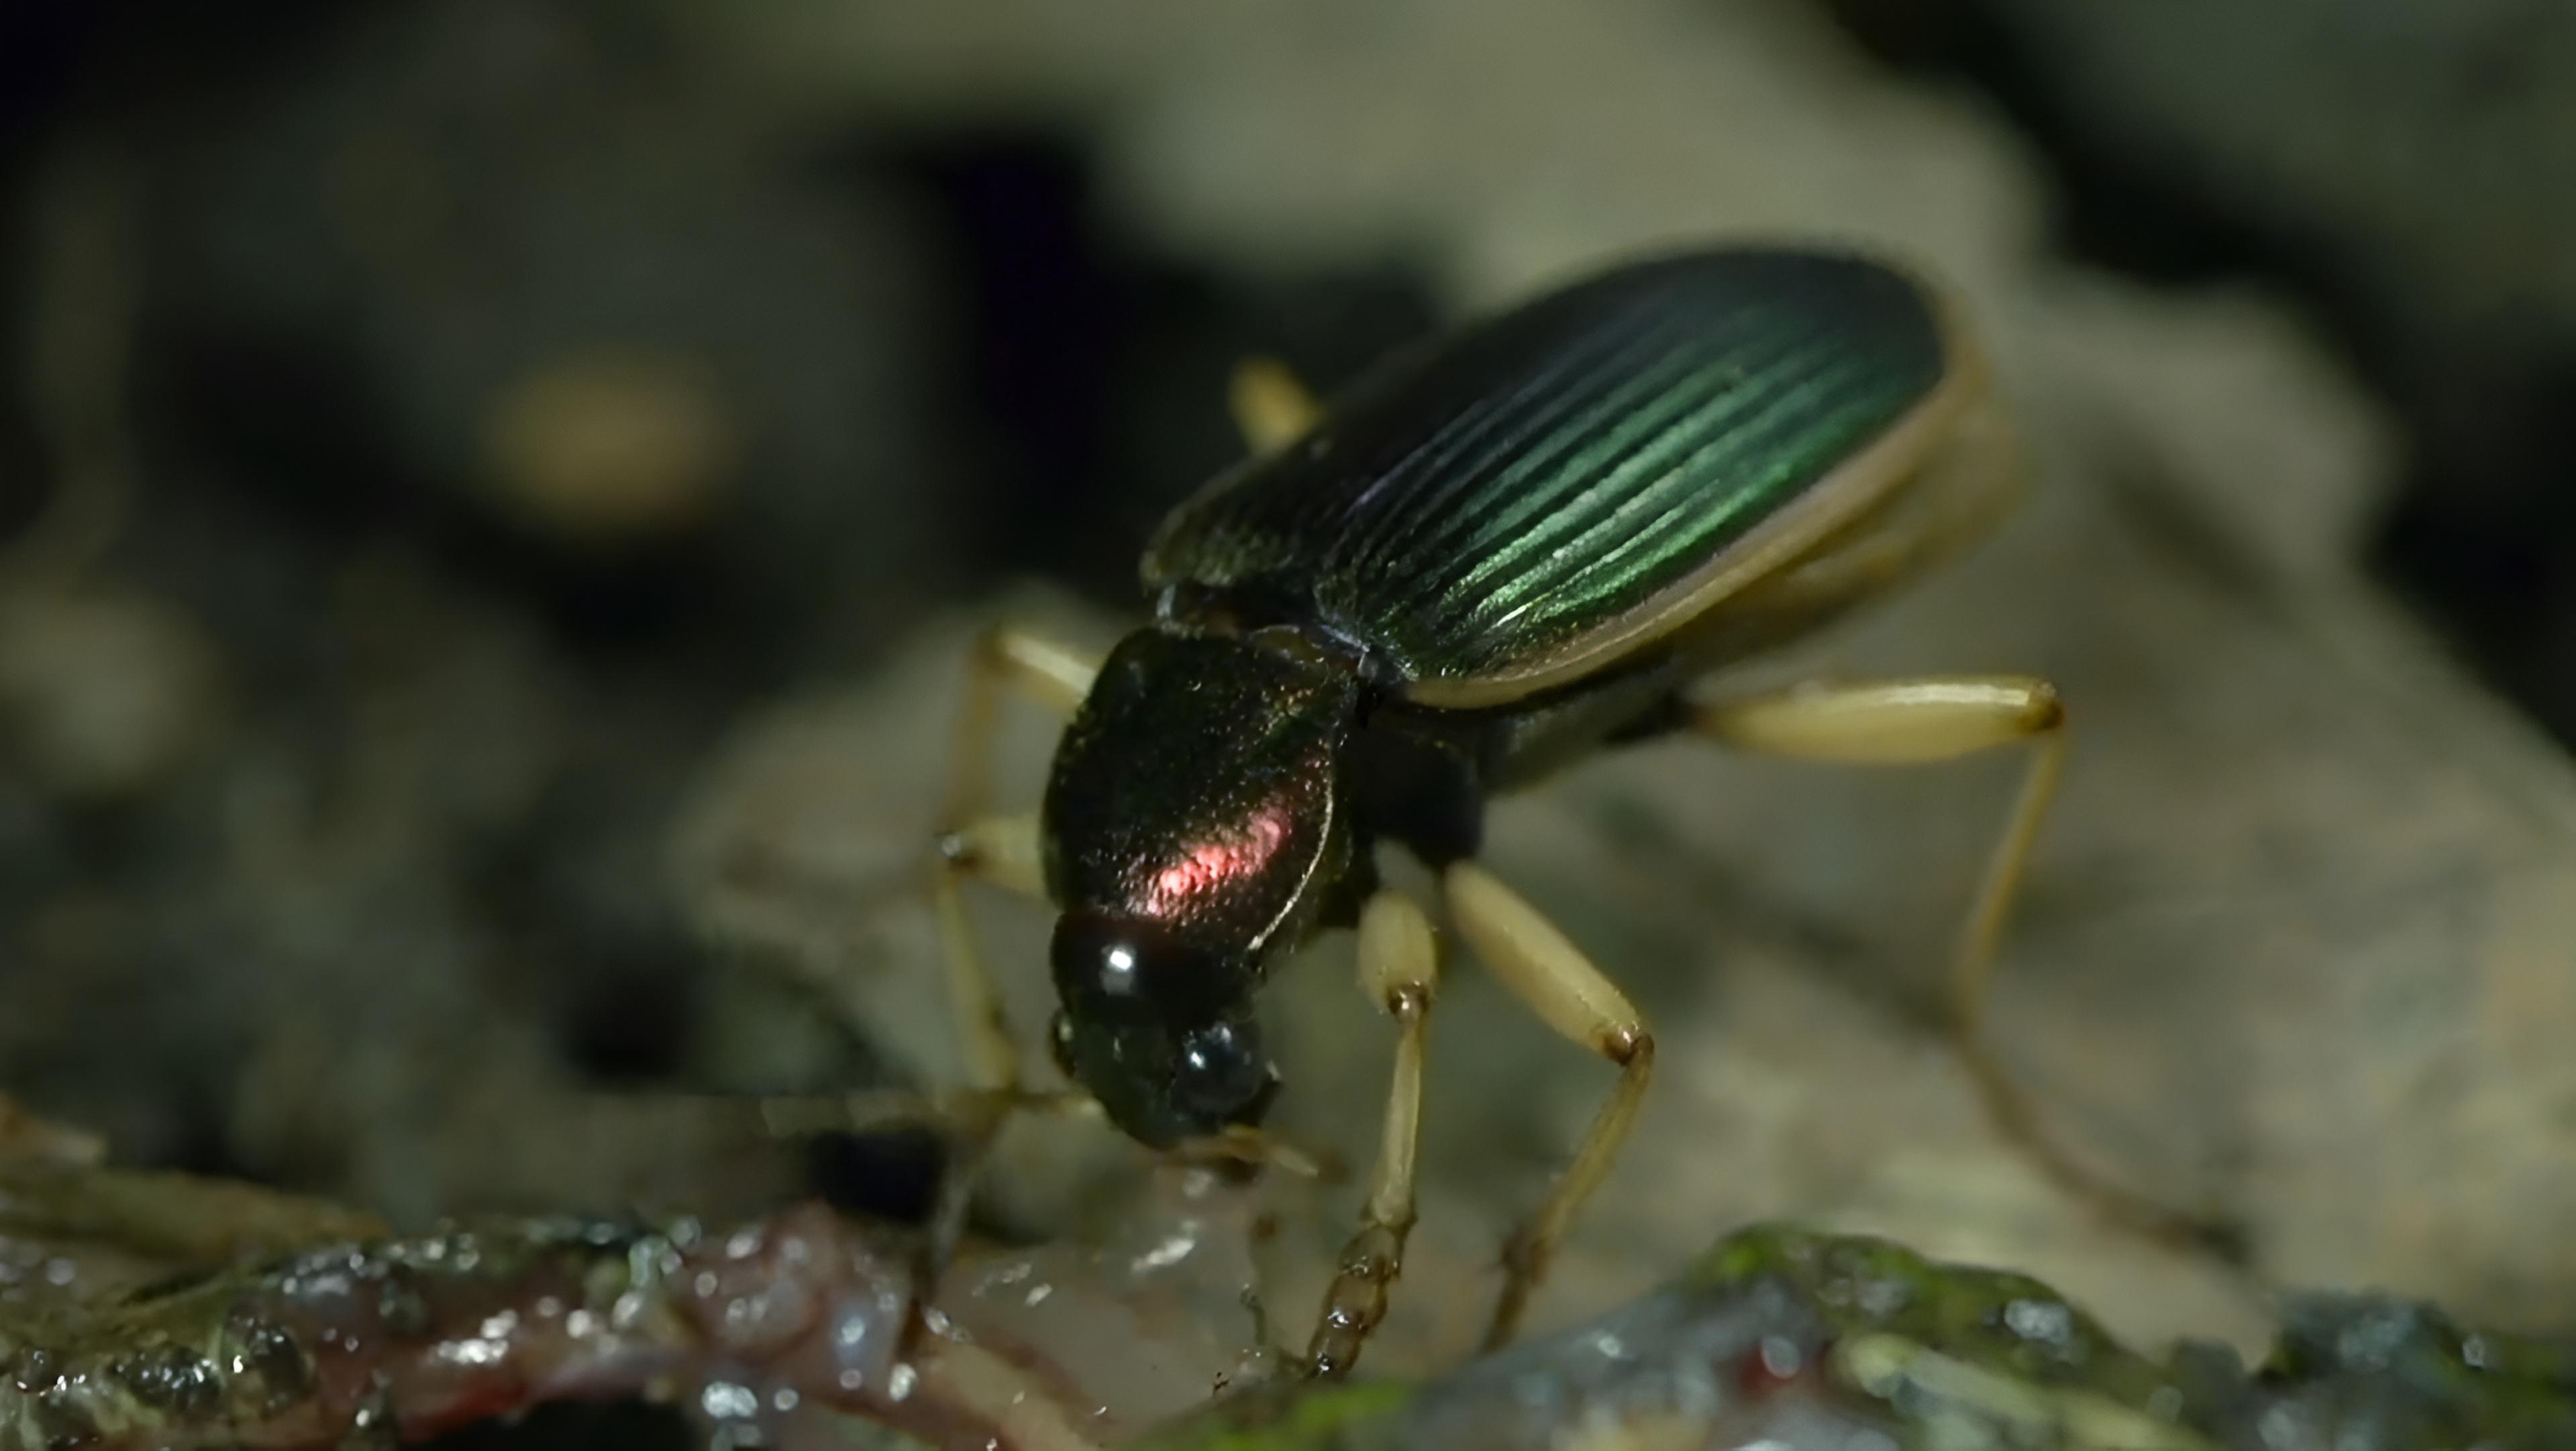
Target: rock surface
(2293,941)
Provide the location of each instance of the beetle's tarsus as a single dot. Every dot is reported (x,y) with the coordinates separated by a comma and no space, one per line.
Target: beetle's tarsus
(1939,718)
(1399,966)
(1553,978)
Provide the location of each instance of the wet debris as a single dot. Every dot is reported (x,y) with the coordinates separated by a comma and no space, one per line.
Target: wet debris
(166,1310)
(1785,1340)
(159,1310)
(403,1338)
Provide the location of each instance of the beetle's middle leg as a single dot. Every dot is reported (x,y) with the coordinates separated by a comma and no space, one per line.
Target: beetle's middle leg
(1399,969)
(1553,977)
(1939,718)
(1271,408)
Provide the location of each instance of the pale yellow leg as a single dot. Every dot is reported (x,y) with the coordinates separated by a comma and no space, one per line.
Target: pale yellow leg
(1003,850)
(1271,408)
(1399,970)
(1940,718)
(1053,675)
(1909,722)
(998,849)
(1553,977)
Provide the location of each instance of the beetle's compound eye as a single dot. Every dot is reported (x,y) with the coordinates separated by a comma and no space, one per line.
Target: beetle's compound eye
(1132,968)
(1157,1029)
(1220,1074)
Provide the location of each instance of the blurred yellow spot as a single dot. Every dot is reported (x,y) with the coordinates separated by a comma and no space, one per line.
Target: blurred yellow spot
(610,446)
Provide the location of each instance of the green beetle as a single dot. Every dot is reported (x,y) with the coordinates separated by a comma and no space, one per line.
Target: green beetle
(1498,552)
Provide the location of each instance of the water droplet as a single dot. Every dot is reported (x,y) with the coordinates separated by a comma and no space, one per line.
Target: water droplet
(725,1401)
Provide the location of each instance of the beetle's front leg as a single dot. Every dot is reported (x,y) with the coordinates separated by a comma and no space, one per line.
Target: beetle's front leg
(999,849)
(973,844)
(1939,718)
(1399,970)
(1005,658)
(1002,850)
(1557,982)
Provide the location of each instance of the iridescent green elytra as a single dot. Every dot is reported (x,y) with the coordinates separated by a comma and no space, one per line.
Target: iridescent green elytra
(1500,551)
(1516,493)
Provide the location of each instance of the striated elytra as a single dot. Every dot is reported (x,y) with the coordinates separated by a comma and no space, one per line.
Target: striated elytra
(1517,505)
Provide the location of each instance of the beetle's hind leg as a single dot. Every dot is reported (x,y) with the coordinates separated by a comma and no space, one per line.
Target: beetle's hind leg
(1557,982)
(1399,969)
(1939,718)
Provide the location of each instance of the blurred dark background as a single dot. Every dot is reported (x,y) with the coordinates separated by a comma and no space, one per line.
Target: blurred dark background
(2397,167)
(424,427)
(451,416)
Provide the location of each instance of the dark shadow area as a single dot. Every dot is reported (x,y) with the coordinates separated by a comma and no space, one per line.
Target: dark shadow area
(442,684)
(1096,366)
(571,1426)
(2482,536)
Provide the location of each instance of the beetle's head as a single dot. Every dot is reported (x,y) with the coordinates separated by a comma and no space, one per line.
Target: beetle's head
(1160,1032)
(1192,828)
